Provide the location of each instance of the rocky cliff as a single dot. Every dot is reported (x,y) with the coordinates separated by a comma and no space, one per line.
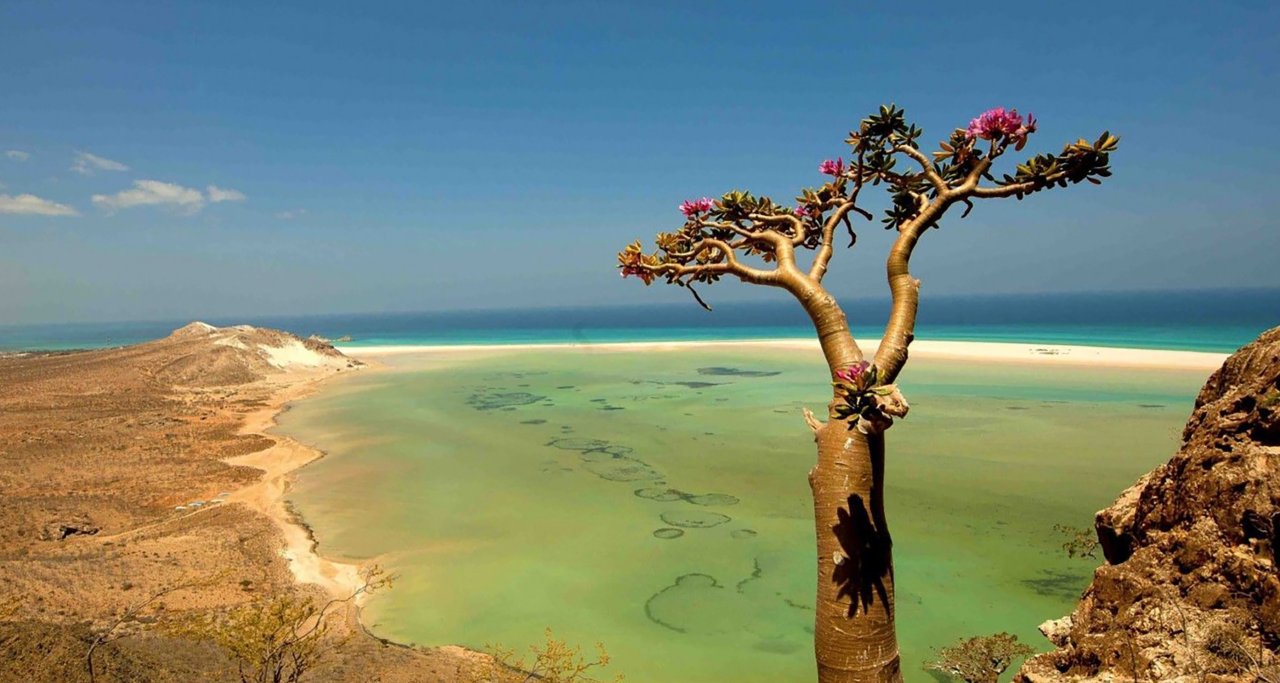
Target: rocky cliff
(1190,591)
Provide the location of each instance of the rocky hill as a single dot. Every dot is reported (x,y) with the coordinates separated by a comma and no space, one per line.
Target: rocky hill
(1190,591)
(204,355)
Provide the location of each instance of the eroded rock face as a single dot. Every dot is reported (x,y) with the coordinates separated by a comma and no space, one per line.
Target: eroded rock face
(1190,591)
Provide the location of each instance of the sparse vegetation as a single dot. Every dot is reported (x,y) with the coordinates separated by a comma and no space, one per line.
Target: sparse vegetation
(113,630)
(276,639)
(980,659)
(555,661)
(1227,646)
(1080,542)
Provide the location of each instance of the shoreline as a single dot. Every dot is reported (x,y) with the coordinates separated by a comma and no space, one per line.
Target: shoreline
(268,495)
(986,352)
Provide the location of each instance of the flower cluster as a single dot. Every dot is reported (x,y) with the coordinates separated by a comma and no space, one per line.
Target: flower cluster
(999,123)
(692,207)
(833,167)
(851,375)
(802,211)
(867,405)
(633,261)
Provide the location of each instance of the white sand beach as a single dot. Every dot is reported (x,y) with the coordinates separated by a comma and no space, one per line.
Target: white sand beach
(987,352)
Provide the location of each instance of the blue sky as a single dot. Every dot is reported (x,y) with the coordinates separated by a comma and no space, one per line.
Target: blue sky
(276,158)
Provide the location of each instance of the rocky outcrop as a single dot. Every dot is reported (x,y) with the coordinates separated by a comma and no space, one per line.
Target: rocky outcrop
(1190,591)
(59,531)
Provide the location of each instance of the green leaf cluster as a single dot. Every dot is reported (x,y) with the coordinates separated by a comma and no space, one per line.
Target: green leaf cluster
(857,399)
(1078,161)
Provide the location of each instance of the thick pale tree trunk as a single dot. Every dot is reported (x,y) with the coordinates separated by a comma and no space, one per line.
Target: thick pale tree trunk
(854,636)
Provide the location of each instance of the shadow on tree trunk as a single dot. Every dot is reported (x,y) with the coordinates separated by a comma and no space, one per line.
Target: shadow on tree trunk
(867,558)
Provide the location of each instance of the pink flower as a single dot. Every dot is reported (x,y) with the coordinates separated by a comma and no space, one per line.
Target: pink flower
(851,374)
(691,207)
(1020,136)
(832,166)
(644,274)
(802,211)
(997,123)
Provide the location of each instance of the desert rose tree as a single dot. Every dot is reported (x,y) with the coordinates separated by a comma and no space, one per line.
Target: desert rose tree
(756,239)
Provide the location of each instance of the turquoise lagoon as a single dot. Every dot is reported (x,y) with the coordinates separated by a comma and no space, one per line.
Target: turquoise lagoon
(657,501)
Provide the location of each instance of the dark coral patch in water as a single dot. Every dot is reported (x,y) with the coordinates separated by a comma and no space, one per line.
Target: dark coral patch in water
(736,372)
(690,384)
(687,584)
(622,469)
(669,495)
(668,533)
(712,499)
(578,444)
(494,400)
(743,534)
(607,460)
(694,519)
(756,573)
(659,494)
(1058,584)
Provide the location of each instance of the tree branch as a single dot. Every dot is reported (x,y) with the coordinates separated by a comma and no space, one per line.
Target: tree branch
(813,422)
(730,265)
(820,261)
(900,331)
(929,173)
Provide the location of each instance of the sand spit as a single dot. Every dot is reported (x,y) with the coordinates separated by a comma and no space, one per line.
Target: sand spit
(987,352)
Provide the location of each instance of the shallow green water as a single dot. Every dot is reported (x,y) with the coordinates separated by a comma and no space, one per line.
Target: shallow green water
(658,501)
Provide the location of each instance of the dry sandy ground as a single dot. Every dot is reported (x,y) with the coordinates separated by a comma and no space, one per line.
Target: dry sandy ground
(128,472)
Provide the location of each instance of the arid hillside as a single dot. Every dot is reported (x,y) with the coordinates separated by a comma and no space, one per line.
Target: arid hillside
(114,489)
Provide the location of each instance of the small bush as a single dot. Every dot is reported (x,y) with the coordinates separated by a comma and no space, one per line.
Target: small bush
(553,662)
(981,659)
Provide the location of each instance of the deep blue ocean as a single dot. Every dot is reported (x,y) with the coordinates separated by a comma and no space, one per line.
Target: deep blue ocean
(1206,320)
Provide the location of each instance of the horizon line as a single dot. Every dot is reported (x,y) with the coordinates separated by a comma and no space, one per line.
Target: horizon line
(646,305)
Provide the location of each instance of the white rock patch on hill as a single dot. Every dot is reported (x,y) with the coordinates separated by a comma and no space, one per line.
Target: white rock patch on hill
(294,354)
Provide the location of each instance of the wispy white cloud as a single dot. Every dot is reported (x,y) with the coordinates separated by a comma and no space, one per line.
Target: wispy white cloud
(86,163)
(153,193)
(31,205)
(219,194)
(17,155)
(291,214)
